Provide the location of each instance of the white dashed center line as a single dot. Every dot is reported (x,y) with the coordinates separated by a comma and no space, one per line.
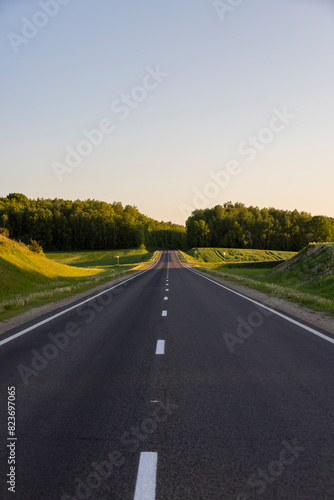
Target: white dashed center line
(165,298)
(160,347)
(164,313)
(167,290)
(147,476)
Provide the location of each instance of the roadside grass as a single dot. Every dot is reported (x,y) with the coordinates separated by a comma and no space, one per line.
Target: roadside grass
(29,279)
(101,258)
(307,278)
(230,255)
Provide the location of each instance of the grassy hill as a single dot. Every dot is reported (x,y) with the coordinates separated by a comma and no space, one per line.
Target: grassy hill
(26,276)
(231,255)
(306,278)
(104,258)
(29,279)
(21,269)
(311,270)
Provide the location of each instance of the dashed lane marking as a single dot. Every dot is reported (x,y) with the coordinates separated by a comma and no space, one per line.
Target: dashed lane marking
(160,349)
(147,476)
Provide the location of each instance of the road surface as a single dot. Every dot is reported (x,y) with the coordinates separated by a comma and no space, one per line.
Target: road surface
(168,386)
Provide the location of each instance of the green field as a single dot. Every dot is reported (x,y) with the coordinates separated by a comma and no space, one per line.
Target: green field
(101,258)
(230,255)
(29,279)
(307,278)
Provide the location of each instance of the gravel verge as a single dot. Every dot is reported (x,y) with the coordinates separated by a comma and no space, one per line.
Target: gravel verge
(317,319)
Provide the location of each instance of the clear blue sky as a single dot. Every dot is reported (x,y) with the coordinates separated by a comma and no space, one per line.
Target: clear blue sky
(223,72)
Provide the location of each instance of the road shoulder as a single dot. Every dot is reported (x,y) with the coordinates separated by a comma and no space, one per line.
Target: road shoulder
(317,319)
(37,312)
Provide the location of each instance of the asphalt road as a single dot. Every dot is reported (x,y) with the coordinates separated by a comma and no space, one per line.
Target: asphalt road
(168,386)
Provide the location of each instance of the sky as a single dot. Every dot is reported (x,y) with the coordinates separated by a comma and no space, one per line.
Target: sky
(169,106)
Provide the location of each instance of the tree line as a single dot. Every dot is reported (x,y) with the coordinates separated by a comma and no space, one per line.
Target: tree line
(238,226)
(96,225)
(85,225)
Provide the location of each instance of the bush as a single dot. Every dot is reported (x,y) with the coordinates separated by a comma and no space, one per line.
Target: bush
(4,232)
(35,247)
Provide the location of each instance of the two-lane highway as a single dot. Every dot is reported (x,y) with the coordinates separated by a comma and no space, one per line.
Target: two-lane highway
(168,386)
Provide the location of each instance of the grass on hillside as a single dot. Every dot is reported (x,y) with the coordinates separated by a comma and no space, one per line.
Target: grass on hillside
(307,278)
(29,279)
(231,255)
(103,258)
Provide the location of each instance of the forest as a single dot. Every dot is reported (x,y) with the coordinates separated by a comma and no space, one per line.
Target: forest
(96,225)
(85,225)
(238,226)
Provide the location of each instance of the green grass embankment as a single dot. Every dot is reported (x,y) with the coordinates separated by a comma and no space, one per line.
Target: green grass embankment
(233,255)
(103,258)
(29,279)
(306,278)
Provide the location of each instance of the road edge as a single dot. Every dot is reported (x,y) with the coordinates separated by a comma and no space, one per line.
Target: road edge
(317,319)
(39,311)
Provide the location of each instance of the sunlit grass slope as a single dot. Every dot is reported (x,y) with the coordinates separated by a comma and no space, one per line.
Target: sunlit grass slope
(22,271)
(29,279)
(103,258)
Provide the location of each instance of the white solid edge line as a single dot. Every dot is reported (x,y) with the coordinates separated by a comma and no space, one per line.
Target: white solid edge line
(160,349)
(293,321)
(147,476)
(26,330)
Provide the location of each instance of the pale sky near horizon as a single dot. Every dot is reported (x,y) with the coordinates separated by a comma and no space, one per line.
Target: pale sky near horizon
(251,84)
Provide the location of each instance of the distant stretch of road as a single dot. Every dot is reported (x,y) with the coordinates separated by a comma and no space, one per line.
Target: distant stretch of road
(167,386)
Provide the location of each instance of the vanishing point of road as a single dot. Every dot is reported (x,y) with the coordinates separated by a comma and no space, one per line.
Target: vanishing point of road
(168,386)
